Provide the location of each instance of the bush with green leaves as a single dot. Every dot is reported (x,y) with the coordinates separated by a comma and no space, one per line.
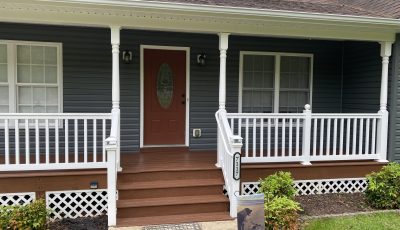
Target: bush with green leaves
(30,217)
(383,189)
(281,210)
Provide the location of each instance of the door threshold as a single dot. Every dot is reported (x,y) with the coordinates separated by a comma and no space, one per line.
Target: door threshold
(163,146)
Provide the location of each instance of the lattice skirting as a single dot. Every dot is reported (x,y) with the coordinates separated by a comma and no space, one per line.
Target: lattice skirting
(17,198)
(78,203)
(310,187)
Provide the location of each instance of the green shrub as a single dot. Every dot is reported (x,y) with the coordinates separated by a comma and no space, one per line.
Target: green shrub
(281,213)
(383,189)
(281,210)
(280,184)
(30,217)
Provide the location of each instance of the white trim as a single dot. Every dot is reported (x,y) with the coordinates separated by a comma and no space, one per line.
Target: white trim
(277,56)
(187,111)
(12,74)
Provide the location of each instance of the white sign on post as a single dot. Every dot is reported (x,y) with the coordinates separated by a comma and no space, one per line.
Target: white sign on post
(236,166)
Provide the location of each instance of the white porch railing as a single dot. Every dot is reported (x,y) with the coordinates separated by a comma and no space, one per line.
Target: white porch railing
(228,145)
(63,141)
(53,141)
(306,137)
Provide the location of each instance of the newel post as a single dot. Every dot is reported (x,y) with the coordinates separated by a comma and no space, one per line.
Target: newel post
(236,148)
(115,42)
(382,132)
(111,148)
(306,135)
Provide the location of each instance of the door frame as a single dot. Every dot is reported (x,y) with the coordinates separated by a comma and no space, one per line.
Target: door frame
(187,50)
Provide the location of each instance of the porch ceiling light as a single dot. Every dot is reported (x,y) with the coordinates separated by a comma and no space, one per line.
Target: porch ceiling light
(127,56)
(201,59)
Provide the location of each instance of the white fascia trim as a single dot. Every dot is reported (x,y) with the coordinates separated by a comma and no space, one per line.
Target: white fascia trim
(238,10)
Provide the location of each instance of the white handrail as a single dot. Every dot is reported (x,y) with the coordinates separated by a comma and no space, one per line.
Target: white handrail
(226,154)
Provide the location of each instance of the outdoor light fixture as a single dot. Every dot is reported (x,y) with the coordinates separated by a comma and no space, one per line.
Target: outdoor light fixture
(127,56)
(94,185)
(201,59)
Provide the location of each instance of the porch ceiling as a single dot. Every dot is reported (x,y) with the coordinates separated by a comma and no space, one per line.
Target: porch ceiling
(198,19)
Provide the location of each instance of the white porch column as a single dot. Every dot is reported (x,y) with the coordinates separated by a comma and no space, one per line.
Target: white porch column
(115,41)
(386,52)
(223,47)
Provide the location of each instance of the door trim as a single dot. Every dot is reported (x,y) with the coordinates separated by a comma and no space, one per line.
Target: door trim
(187,50)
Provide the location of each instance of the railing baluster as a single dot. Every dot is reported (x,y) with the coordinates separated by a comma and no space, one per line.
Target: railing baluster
(76,139)
(47,141)
(353,152)
(7,142)
(348,136)
(27,158)
(56,121)
(328,137)
(37,146)
(297,137)
(262,137)
(360,144)
(94,140)
(66,145)
(341,136)
(85,153)
(103,140)
(283,137)
(334,136)
(254,137)
(247,138)
(269,138)
(16,123)
(276,137)
(233,126)
(367,137)
(373,139)
(314,137)
(290,136)
(321,138)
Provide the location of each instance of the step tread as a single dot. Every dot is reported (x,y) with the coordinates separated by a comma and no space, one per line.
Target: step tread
(165,201)
(173,219)
(170,183)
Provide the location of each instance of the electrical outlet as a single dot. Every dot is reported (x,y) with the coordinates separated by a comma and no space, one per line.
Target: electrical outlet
(196,132)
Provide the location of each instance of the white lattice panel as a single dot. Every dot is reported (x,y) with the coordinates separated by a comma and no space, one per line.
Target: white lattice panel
(78,203)
(310,187)
(17,198)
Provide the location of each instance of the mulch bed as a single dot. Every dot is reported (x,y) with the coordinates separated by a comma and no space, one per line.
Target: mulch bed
(94,223)
(325,204)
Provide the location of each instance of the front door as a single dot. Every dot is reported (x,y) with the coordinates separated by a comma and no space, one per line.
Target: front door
(164,97)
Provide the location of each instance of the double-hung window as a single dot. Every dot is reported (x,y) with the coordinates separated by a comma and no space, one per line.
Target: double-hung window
(30,77)
(274,82)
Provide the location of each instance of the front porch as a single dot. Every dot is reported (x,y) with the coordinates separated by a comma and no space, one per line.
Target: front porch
(325,124)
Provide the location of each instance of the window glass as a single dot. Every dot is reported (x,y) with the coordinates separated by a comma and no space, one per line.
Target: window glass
(259,83)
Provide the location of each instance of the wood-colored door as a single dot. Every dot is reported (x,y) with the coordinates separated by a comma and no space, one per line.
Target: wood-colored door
(164,97)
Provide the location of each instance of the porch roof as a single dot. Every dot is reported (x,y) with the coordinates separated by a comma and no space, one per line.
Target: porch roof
(200,18)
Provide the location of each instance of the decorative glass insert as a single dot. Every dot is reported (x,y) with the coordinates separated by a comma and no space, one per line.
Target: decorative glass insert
(165,86)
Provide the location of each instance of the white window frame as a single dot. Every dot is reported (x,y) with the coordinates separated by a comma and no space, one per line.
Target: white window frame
(12,67)
(277,73)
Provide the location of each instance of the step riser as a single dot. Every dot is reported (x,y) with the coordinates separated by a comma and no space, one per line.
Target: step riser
(169,175)
(170,192)
(172,210)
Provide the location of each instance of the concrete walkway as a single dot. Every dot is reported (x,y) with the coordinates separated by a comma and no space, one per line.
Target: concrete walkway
(215,225)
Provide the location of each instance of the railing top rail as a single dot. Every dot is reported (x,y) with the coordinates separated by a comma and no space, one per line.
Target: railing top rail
(224,140)
(346,115)
(265,115)
(113,138)
(55,115)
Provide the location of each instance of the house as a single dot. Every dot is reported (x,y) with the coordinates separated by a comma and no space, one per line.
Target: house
(148,109)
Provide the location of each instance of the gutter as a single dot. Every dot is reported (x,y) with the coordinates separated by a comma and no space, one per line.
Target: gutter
(243,11)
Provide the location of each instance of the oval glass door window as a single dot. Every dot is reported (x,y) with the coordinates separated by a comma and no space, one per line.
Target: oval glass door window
(165,86)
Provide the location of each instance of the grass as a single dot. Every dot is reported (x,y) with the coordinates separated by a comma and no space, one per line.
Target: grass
(388,220)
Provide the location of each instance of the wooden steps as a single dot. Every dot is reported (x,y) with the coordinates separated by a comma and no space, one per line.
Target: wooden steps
(169,195)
